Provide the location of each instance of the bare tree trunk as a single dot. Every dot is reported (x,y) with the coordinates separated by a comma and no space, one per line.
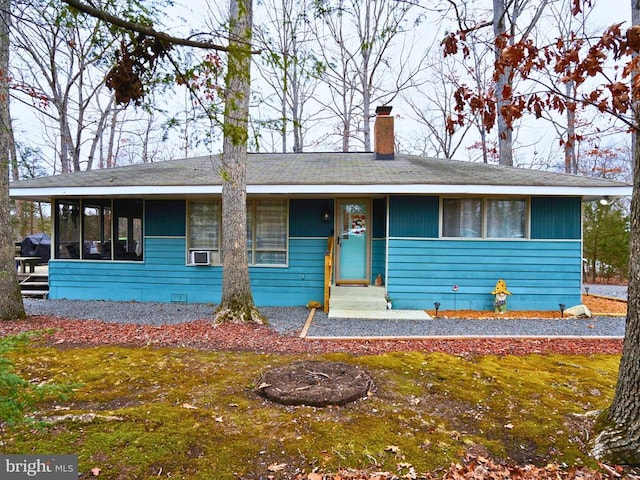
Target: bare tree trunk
(365,53)
(298,145)
(570,158)
(15,175)
(635,20)
(503,86)
(111,155)
(236,304)
(146,138)
(283,116)
(11,306)
(618,432)
(65,144)
(346,133)
(618,440)
(100,128)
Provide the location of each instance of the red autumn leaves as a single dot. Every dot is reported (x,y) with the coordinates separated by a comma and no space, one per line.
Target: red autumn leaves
(600,71)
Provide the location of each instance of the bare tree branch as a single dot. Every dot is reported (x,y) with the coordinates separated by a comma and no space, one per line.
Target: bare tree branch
(136,27)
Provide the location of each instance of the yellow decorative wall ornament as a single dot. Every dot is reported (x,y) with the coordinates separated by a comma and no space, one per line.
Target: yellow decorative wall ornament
(500,292)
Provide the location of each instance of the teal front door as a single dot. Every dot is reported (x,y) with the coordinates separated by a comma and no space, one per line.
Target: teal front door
(353,228)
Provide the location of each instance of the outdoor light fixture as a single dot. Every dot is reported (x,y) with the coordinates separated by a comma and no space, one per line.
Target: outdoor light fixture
(326,215)
(586,289)
(437,305)
(562,307)
(605,201)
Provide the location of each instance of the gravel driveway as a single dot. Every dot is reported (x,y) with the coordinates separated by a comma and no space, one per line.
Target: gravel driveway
(617,291)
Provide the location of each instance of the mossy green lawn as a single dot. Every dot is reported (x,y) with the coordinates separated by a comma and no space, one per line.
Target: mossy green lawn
(195,414)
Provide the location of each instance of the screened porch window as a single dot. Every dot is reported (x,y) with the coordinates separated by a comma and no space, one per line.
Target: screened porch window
(128,229)
(96,229)
(68,220)
(99,229)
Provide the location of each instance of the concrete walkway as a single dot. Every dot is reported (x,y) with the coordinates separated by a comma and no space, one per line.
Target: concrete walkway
(380,314)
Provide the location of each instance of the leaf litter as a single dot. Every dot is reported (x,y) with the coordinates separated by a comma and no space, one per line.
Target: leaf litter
(203,335)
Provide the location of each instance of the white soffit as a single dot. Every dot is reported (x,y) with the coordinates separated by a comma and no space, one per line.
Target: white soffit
(572,191)
(180,190)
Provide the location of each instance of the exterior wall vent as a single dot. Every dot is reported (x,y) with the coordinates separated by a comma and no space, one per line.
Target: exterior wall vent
(200,257)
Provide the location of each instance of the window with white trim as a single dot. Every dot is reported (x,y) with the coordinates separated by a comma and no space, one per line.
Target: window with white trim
(488,218)
(506,218)
(462,217)
(204,230)
(266,231)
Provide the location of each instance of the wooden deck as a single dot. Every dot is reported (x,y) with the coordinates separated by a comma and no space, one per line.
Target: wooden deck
(34,283)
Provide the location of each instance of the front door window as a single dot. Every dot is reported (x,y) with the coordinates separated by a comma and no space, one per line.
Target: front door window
(354,227)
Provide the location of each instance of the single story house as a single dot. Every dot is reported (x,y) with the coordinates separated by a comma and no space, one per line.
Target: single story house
(435,230)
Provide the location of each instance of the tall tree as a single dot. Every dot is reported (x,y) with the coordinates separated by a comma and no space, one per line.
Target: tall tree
(606,240)
(573,127)
(289,67)
(507,17)
(11,306)
(237,300)
(503,79)
(356,40)
(610,64)
(618,440)
(129,79)
(60,61)
(61,72)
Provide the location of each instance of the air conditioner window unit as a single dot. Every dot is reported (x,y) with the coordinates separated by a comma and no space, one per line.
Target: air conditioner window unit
(201,257)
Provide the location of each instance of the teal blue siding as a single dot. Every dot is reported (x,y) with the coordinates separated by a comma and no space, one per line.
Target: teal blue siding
(305,218)
(541,272)
(413,216)
(165,218)
(556,218)
(378,264)
(540,275)
(294,286)
(164,277)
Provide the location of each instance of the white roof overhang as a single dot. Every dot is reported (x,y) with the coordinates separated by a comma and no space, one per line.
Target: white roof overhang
(587,192)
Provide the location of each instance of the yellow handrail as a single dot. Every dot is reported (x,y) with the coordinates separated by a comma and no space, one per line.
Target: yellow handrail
(328,272)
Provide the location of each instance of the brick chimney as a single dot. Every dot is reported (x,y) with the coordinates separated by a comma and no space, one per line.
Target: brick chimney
(383,135)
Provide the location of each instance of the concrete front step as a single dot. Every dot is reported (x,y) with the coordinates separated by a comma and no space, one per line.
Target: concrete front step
(358,304)
(358,298)
(357,291)
(380,315)
(367,302)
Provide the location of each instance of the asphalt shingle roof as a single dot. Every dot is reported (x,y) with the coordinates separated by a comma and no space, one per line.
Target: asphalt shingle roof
(308,169)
